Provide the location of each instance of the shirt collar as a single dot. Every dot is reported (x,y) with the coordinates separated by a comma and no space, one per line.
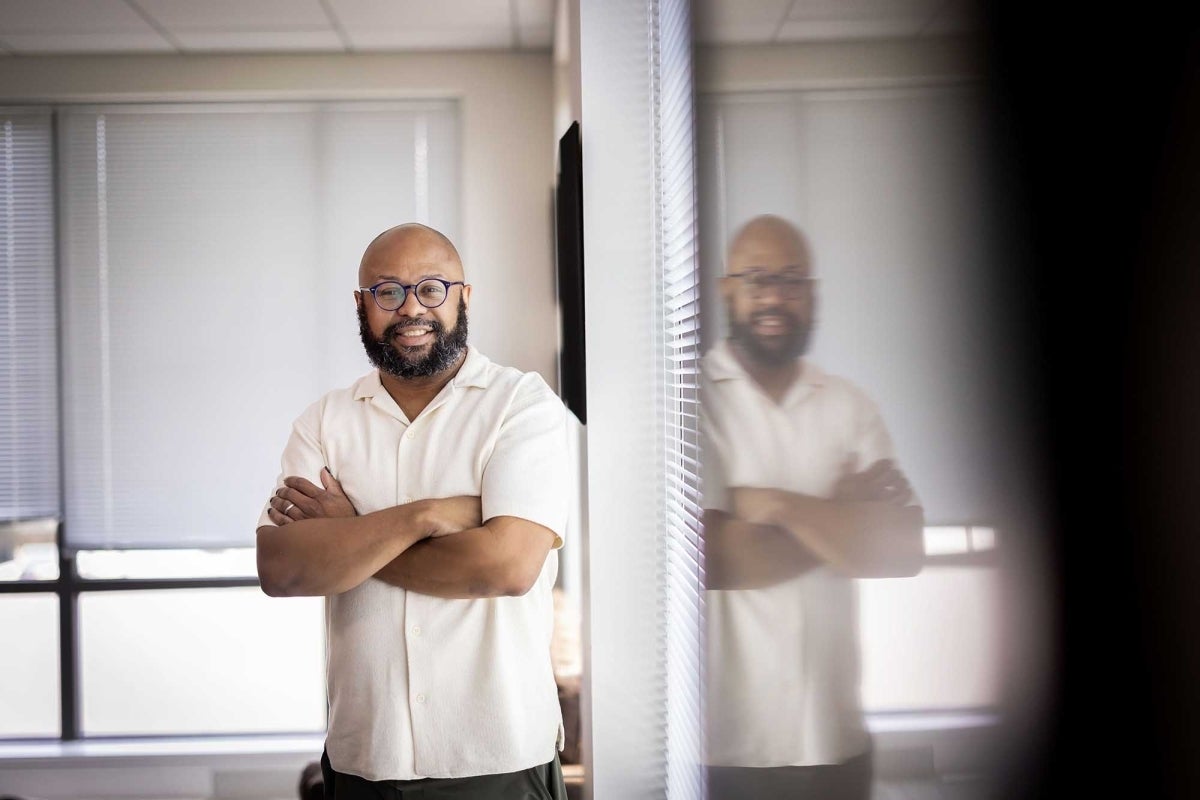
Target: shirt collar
(720,364)
(473,372)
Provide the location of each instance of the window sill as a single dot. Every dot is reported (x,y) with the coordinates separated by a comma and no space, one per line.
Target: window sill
(161,750)
(265,767)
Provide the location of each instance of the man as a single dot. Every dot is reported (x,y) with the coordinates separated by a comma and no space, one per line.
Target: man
(802,496)
(425,502)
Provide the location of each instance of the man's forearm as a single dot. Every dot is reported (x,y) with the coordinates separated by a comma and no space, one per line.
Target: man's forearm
(325,556)
(743,555)
(498,559)
(859,539)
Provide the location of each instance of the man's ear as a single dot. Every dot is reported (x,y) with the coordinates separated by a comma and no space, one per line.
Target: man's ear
(466,295)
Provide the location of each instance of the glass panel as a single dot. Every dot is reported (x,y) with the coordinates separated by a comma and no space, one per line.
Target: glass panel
(236,562)
(201,661)
(932,641)
(29,694)
(29,550)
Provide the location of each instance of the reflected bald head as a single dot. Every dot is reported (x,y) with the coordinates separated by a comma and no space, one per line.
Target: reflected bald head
(768,240)
(411,246)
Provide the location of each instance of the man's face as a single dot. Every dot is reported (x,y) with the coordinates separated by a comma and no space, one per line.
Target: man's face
(438,349)
(769,296)
(413,341)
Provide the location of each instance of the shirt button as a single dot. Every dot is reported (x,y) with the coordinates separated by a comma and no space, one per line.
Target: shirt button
(416,630)
(410,435)
(421,698)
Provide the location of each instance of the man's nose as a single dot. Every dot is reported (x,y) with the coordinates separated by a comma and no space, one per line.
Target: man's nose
(772,294)
(411,307)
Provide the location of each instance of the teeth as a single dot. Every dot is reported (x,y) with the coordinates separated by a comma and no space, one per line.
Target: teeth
(412,334)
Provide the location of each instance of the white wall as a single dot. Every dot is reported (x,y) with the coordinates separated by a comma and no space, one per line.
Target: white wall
(507,163)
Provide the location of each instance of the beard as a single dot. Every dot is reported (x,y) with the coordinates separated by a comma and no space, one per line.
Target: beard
(390,358)
(777,350)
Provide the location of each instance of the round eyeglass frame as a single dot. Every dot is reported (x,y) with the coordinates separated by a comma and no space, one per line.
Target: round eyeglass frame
(757,283)
(406,288)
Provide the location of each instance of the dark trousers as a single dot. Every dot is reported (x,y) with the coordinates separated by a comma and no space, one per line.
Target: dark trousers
(850,780)
(544,782)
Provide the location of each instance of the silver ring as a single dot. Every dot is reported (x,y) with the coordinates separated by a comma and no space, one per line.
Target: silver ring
(287,508)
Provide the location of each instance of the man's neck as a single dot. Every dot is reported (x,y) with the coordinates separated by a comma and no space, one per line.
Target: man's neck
(774,379)
(414,394)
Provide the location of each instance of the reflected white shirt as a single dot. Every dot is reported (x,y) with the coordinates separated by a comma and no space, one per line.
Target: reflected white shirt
(783,661)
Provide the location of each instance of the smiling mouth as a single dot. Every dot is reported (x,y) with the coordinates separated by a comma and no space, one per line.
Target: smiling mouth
(772,324)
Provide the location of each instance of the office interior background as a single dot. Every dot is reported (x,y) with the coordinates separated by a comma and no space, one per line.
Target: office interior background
(188,186)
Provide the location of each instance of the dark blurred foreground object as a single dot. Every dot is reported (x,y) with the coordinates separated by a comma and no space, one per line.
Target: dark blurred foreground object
(312,783)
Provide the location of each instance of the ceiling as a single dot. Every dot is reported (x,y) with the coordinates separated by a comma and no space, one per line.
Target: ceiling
(43,27)
(779,21)
(203,26)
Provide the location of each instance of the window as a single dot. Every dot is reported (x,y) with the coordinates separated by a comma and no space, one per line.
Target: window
(887,186)
(198,290)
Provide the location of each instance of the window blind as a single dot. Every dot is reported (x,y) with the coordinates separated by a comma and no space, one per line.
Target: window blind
(209,255)
(887,184)
(29,452)
(678,286)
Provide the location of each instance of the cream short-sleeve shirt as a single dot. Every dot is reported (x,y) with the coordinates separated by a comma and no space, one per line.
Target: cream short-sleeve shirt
(783,666)
(419,686)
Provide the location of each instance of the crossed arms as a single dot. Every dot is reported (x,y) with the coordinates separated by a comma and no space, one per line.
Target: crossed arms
(866,530)
(319,545)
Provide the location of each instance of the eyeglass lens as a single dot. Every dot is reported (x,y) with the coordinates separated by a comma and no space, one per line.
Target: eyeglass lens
(787,285)
(431,293)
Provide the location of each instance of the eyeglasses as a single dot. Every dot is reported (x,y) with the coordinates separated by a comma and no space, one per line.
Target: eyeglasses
(390,295)
(759,282)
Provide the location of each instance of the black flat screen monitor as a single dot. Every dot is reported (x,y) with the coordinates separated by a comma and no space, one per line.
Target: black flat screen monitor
(568,203)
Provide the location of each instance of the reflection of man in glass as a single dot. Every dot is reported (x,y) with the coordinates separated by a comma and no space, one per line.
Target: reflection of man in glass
(801,496)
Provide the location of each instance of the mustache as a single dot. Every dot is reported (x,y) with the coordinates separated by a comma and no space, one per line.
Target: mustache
(397,327)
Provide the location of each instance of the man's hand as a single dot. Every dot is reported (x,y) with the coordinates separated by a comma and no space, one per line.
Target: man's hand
(300,499)
(449,515)
(757,506)
(881,482)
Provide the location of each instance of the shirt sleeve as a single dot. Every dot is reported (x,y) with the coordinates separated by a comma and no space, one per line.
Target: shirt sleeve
(303,456)
(873,442)
(713,481)
(528,474)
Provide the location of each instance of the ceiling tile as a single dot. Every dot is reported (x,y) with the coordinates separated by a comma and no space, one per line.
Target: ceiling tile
(866,10)
(400,15)
(738,21)
(432,38)
(228,15)
(71,16)
(823,30)
(259,41)
(535,13)
(739,33)
(95,42)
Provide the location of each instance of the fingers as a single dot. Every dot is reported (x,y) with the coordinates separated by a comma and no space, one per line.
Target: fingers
(276,517)
(285,503)
(331,484)
(302,485)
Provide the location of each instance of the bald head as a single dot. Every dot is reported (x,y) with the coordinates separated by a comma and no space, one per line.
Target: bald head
(768,292)
(411,246)
(768,241)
